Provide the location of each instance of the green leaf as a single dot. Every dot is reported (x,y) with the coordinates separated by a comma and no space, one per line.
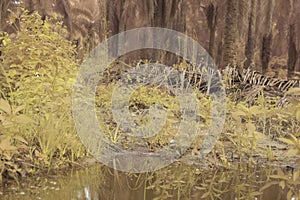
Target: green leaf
(4,106)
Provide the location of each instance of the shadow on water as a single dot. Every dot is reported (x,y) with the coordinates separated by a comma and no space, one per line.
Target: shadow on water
(177,181)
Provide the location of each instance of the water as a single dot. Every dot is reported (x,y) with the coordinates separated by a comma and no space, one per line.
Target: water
(177,181)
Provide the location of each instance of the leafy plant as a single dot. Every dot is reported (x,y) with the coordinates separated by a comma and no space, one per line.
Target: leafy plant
(38,69)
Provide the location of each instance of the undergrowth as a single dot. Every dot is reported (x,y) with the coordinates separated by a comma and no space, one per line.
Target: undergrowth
(37,72)
(37,132)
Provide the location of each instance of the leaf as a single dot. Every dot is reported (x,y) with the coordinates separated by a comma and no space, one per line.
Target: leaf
(256,110)
(282,184)
(243,108)
(5,145)
(298,115)
(205,195)
(296,175)
(2,118)
(287,141)
(21,139)
(289,194)
(294,91)
(259,135)
(18,109)
(236,115)
(278,177)
(256,194)
(268,185)
(4,106)
(23,119)
(292,152)
(250,127)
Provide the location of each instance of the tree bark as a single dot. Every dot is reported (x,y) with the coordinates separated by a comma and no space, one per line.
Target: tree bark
(4,5)
(230,54)
(250,46)
(212,21)
(293,54)
(266,49)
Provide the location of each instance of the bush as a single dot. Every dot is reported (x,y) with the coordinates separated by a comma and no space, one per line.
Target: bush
(37,72)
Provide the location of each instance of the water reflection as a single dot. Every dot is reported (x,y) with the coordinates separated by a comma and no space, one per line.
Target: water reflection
(177,181)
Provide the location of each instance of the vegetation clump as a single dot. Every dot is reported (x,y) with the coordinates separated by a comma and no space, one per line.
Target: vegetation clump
(37,72)
(38,68)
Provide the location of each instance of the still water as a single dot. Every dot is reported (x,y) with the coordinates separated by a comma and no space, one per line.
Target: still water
(177,181)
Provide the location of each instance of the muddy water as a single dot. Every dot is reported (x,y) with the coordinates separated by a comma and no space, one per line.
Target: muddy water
(174,182)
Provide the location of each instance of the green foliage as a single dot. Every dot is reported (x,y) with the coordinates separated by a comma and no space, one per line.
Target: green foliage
(37,72)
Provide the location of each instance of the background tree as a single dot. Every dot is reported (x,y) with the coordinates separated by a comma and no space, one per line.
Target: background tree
(212,21)
(292,49)
(266,48)
(90,22)
(292,53)
(250,46)
(230,36)
(4,6)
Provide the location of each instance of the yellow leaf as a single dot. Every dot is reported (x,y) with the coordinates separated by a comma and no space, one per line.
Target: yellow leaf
(23,119)
(18,109)
(2,118)
(287,141)
(268,185)
(256,110)
(294,91)
(259,135)
(298,115)
(21,139)
(250,127)
(296,175)
(282,184)
(5,145)
(289,194)
(4,106)
(243,108)
(236,115)
(205,195)
(292,152)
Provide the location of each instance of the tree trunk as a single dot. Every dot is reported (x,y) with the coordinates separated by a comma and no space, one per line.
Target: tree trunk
(211,16)
(266,49)
(4,4)
(293,54)
(230,53)
(243,18)
(169,14)
(220,52)
(249,51)
(113,17)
